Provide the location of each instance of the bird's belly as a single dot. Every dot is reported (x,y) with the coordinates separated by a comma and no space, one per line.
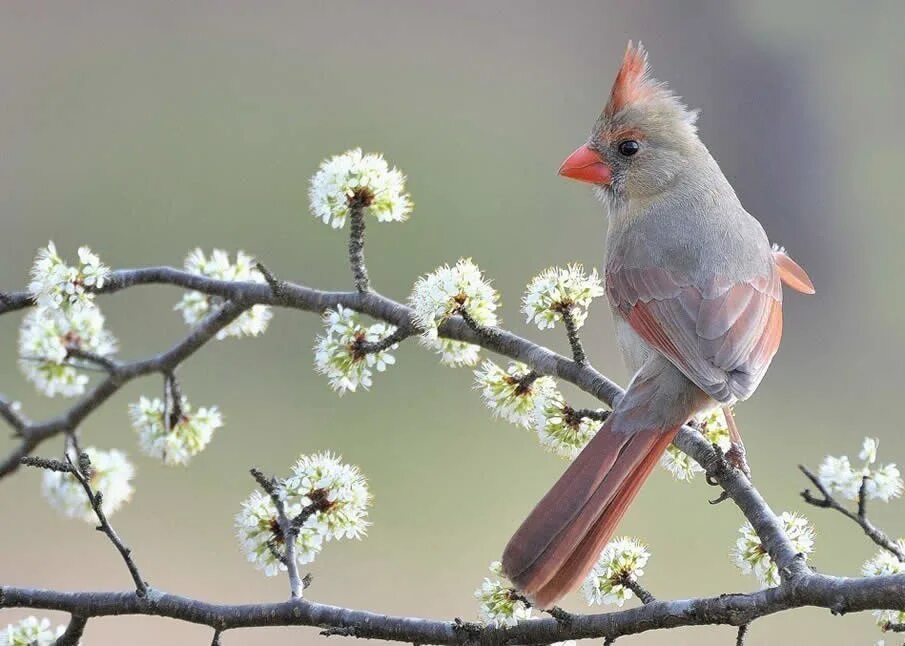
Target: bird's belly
(635,350)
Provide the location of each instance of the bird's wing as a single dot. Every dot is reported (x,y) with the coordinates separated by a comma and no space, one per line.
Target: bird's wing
(722,335)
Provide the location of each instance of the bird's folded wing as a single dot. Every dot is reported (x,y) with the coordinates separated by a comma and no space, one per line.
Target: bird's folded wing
(721,335)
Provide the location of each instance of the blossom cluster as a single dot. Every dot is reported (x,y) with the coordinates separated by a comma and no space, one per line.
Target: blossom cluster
(111,476)
(56,285)
(751,557)
(355,179)
(197,305)
(882,563)
(448,291)
(881,482)
(621,561)
(560,429)
(333,495)
(557,290)
(47,337)
(714,428)
(341,352)
(498,604)
(512,394)
(173,441)
(66,320)
(31,631)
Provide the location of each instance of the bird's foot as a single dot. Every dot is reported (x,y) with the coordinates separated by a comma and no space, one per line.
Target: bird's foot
(737,457)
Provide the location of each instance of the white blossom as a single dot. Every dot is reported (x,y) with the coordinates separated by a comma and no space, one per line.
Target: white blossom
(558,289)
(354,178)
(178,442)
(56,285)
(258,530)
(839,476)
(454,354)
(498,604)
(715,429)
(196,305)
(448,291)
(46,337)
(338,353)
(111,476)
(751,557)
(869,450)
(508,394)
(559,429)
(340,490)
(623,559)
(31,631)
(884,563)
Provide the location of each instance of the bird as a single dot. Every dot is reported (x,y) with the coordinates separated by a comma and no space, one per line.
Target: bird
(695,290)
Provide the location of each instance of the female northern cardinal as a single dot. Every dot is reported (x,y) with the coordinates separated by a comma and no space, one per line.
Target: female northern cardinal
(694,287)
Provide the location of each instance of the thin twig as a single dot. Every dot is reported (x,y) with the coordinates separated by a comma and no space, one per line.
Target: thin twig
(829,502)
(484,332)
(640,591)
(73,632)
(104,363)
(572,334)
(82,472)
(357,246)
(216,639)
(370,347)
(287,529)
(741,634)
(172,400)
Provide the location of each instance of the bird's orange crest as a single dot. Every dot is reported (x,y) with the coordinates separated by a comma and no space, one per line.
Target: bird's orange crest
(632,83)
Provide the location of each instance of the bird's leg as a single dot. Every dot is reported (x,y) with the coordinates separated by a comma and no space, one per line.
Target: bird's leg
(736,454)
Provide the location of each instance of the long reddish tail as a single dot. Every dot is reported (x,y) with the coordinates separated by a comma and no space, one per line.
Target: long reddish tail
(556,546)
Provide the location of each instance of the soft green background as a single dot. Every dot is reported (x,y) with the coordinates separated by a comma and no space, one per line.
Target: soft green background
(144,129)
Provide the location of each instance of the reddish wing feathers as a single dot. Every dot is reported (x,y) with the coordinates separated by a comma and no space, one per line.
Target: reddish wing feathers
(722,337)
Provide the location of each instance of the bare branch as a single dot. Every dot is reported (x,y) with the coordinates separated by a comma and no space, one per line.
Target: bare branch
(742,633)
(827,501)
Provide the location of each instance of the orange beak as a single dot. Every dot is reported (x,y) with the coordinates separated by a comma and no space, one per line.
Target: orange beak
(585,165)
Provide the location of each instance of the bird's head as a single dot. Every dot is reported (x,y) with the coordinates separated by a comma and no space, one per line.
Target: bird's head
(642,140)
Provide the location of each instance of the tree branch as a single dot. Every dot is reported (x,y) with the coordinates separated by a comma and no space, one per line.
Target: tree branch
(834,593)
(119,374)
(800,586)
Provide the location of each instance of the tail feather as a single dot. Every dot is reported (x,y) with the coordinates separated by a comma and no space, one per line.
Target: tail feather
(580,561)
(562,537)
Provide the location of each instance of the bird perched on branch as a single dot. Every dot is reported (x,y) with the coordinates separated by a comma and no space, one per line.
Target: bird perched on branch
(694,287)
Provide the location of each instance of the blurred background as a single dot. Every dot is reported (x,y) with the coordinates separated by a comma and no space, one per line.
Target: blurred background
(146,128)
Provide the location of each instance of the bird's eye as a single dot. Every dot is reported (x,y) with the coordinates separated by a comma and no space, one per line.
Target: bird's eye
(629,147)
